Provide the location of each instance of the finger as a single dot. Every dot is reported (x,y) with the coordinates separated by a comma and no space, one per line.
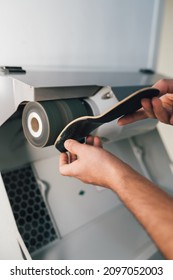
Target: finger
(148,107)
(127,119)
(73,146)
(89,140)
(160,112)
(66,170)
(72,157)
(94,141)
(63,159)
(97,142)
(165,86)
(64,166)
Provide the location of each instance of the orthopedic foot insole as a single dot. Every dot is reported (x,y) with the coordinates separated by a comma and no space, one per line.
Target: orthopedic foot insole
(79,128)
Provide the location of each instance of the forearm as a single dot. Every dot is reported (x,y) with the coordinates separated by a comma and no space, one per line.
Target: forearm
(151,206)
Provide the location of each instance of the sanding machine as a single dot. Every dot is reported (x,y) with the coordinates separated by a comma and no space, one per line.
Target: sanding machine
(48,216)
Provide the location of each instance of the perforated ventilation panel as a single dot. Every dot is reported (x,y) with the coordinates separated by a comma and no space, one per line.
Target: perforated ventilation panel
(30,212)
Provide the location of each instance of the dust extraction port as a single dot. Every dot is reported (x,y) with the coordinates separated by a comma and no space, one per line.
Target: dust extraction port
(29,209)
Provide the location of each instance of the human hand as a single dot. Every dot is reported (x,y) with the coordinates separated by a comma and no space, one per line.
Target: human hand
(90,163)
(158,108)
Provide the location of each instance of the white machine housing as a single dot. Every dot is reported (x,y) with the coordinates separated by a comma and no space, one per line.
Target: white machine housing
(88,222)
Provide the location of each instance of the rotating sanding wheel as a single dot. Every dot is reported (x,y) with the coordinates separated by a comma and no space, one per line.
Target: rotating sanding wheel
(43,121)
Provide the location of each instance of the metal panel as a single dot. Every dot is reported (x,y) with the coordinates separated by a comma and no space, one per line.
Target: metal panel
(101,34)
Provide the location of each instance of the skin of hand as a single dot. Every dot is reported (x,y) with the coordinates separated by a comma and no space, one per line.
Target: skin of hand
(150,205)
(160,108)
(86,162)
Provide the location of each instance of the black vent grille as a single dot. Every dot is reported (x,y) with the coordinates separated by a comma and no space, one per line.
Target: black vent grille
(30,212)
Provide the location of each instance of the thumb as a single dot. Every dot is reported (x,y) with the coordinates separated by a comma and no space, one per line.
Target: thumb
(72,146)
